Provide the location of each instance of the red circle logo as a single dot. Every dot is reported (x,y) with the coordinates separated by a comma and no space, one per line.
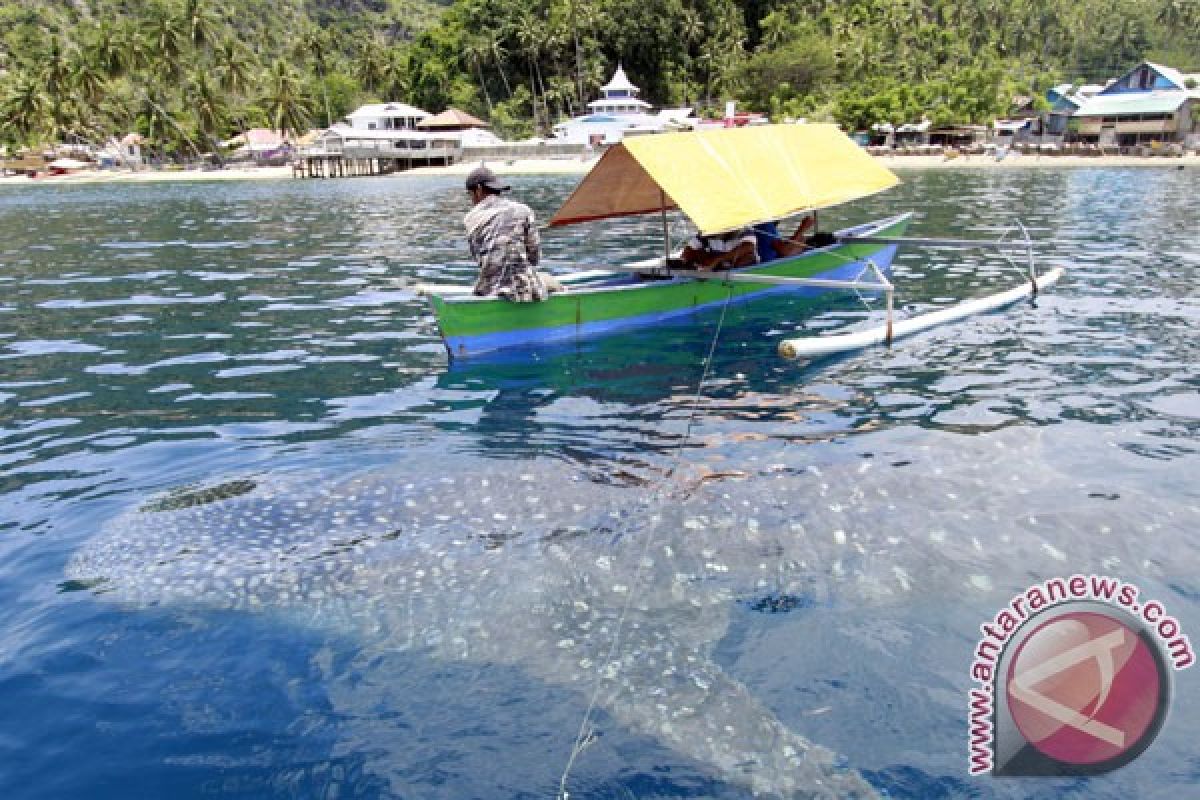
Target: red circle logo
(1084,688)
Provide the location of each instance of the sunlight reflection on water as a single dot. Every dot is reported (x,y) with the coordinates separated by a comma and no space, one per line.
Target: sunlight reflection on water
(167,339)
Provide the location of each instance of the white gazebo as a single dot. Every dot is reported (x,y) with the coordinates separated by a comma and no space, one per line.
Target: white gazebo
(619,96)
(618,113)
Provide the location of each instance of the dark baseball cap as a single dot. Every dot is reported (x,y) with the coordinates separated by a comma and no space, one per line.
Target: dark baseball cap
(482,176)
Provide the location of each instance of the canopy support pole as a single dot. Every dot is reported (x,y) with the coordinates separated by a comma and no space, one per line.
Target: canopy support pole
(662,204)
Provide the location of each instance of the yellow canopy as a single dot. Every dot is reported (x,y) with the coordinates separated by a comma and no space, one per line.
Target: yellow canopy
(727,178)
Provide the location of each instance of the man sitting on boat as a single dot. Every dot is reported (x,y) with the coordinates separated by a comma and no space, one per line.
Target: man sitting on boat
(503,237)
(736,248)
(772,245)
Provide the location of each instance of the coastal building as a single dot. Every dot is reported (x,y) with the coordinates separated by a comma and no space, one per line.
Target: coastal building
(618,113)
(386,117)
(1149,103)
(1022,125)
(1064,102)
(123,152)
(378,138)
(961,137)
(470,131)
(909,134)
(261,145)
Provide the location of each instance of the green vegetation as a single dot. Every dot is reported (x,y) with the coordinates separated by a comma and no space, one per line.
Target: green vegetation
(185,72)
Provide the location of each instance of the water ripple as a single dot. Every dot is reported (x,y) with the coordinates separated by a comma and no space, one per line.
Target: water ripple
(939,475)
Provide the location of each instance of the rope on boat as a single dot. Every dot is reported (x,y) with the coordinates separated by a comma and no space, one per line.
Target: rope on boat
(584,735)
(868,266)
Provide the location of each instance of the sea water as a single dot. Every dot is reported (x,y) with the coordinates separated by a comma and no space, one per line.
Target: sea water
(159,339)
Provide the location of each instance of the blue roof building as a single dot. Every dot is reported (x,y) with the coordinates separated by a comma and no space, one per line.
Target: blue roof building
(1149,103)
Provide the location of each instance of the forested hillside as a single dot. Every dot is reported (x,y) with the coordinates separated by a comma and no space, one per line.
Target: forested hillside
(181,71)
(184,71)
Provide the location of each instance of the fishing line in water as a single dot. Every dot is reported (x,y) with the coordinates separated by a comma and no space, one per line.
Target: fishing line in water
(584,736)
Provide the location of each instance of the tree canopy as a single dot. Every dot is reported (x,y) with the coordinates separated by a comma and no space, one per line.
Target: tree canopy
(184,72)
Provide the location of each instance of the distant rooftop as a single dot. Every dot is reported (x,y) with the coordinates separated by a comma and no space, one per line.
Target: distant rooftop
(451,118)
(619,82)
(388,110)
(1109,105)
(1170,73)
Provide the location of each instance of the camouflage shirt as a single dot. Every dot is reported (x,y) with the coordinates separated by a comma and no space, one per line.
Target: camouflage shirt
(504,240)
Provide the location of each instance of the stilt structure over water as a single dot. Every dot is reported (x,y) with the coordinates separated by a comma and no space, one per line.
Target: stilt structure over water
(343,152)
(379,140)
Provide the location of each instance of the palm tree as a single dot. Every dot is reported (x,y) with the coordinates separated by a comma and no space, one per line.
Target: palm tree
(105,50)
(132,48)
(578,53)
(153,121)
(691,32)
(497,53)
(287,106)
(165,38)
(372,61)
(56,69)
(55,75)
(234,66)
(26,107)
(314,43)
(200,23)
(776,29)
(531,37)
(395,78)
(475,50)
(87,79)
(206,103)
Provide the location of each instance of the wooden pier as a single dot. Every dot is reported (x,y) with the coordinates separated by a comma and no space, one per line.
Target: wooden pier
(348,153)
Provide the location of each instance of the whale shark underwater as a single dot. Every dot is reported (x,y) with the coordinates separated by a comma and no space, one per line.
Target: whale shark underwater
(528,564)
(539,564)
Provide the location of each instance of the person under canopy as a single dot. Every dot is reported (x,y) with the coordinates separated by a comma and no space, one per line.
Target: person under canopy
(772,245)
(737,248)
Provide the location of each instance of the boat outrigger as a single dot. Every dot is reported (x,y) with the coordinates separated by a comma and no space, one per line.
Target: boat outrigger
(722,180)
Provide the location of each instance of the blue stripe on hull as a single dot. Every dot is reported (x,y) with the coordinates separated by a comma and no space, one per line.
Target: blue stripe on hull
(467,346)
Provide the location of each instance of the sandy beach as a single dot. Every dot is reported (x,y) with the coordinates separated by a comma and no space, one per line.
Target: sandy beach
(1012,161)
(572,166)
(150,176)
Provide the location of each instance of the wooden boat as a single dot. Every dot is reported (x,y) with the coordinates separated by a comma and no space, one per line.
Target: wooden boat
(722,180)
(599,302)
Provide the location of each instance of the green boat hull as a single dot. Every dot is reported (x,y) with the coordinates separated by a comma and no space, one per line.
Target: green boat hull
(474,325)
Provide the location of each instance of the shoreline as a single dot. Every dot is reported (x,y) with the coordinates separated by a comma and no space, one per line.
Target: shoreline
(1012,161)
(572,166)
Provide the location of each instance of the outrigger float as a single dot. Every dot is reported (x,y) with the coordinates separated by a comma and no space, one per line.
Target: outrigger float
(721,180)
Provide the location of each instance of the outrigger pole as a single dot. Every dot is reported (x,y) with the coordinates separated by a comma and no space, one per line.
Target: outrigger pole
(955,244)
(857,340)
(889,331)
(812,346)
